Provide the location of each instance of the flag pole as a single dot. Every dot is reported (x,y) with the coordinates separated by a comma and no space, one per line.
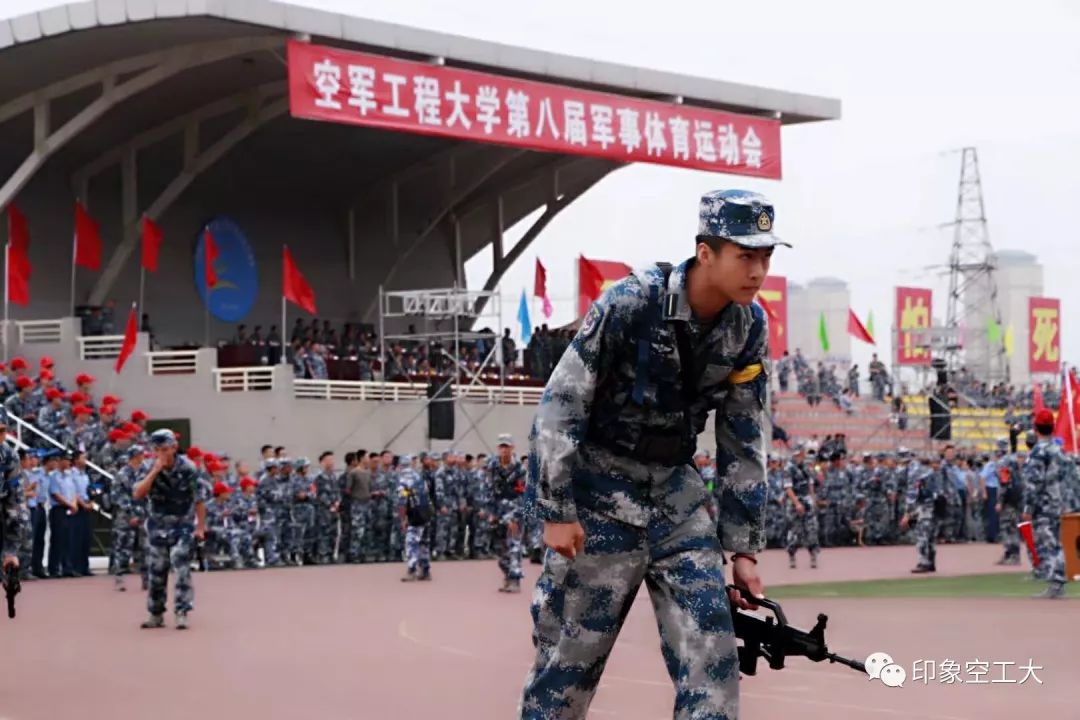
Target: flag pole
(74,247)
(283,335)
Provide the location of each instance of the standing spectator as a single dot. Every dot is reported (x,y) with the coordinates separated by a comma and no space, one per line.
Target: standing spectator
(509,351)
(83,526)
(63,508)
(783,371)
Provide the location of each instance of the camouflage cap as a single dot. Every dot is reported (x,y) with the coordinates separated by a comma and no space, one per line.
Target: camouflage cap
(506,439)
(301,462)
(746,218)
(163,438)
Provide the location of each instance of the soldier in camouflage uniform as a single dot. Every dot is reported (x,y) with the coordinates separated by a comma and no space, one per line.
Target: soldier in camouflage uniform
(1044,475)
(327,503)
(880,491)
(126,518)
(1010,502)
(246,514)
(482,503)
(383,485)
(222,536)
(437,475)
(837,501)
(507,483)
(415,513)
(270,495)
(926,504)
(301,546)
(775,524)
(460,510)
(611,471)
(177,518)
(14,522)
(802,519)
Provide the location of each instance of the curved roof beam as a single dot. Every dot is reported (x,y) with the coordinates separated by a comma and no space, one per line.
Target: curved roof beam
(154,67)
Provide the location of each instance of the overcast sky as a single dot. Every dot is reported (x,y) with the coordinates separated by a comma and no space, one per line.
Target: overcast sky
(861,197)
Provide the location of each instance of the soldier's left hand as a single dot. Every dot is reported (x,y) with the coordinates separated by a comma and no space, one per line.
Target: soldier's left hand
(11,562)
(200,534)
(744,574)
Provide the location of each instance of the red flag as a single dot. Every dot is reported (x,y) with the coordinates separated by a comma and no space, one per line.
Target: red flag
(87,239)
(768,308)
(590,280)
(855,328)
(151,243)
(294,286)
(18,258)
(129,339)
(210,254)
(540,287)
(1065,426)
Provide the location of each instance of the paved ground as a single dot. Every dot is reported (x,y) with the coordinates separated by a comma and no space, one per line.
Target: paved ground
(353,642)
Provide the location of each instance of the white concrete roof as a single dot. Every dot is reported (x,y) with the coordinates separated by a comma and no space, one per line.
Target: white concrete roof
(28,21)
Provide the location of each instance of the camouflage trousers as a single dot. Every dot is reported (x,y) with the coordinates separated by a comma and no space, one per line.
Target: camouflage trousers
(302,530)
(832,524)
(359,519)
(775,525)
(170,545)
(878,521)
(510,559)
(123,545)
(267,536)
(1051,554)
(418,549)
(326,530)
(926,533)
(579,606)
(480,533)
(445,532)
(1010,535)
(534,534)
(220,541)
(378,536)
(397,540)
(802,530)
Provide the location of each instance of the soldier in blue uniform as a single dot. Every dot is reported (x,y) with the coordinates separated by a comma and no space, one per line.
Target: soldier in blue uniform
(611,471)
(176,519)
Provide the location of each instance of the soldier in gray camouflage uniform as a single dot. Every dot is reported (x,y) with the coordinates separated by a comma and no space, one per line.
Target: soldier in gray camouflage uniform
(126,519)
(415,513)
(775,524)
(611,471)
(1044,474)
(482,502)
(436,473)
(802,518)
(383,486)
(880,491)
(837,501)
(1010,502)
(177,519)
(271,501)
(301,547)
(926,504)
(222,537)
(327,502)
(14,523)
(507,482)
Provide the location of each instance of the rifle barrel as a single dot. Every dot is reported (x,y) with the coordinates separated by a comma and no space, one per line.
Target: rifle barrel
(854,664)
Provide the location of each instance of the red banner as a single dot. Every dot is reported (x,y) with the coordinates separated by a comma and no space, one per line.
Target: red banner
(774,292)
(913,312)
(610,273)
(363,89)
(1044,335)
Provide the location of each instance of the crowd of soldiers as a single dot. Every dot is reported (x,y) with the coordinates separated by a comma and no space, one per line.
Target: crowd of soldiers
(828,499)
(296,514)
(824,382)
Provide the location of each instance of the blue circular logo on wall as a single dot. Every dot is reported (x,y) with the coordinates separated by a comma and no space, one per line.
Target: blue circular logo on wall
(234,275)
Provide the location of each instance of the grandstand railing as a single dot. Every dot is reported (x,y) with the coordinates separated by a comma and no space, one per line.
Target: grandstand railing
(100,347)
(39,331)
(25,431)
(399,391)
(244,379)
(172,362)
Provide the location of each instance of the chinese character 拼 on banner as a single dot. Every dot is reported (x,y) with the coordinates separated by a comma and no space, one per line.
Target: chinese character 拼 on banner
(913,313)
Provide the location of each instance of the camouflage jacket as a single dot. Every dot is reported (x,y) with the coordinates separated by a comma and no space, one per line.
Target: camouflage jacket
(13,526)
(1045,474)
(616,397)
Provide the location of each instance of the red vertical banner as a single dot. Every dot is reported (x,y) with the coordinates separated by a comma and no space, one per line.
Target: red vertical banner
(913,313)
(1044,335)
(774,293)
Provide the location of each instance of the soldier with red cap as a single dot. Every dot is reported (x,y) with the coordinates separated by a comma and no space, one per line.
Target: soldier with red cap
(20,405)
(246,512)
(53,418)
(1045,475)
(222,537)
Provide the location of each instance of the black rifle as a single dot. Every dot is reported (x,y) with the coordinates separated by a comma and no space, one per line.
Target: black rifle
(12,586)
(775,640)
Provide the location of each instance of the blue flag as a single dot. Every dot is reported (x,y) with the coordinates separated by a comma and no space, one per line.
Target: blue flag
(523,318)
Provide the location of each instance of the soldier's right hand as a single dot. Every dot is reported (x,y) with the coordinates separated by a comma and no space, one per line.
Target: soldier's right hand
(799,509)
(567,539)
(134,522)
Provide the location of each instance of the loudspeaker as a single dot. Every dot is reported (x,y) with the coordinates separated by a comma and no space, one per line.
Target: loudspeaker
(940,419)
(440,411)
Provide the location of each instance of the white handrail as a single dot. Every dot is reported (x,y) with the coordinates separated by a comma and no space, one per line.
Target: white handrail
(172,362)
(243,379)
(24,426)
(399,391)
(39,331)
(100,347)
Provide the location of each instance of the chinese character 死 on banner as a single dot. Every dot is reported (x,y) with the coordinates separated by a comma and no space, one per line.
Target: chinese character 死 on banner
(356,88)
(913,312)
(1044,335)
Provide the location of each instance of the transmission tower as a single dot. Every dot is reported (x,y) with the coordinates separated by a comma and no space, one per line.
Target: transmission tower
(973,297)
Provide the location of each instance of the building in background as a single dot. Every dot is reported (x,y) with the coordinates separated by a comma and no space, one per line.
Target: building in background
(806,305)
